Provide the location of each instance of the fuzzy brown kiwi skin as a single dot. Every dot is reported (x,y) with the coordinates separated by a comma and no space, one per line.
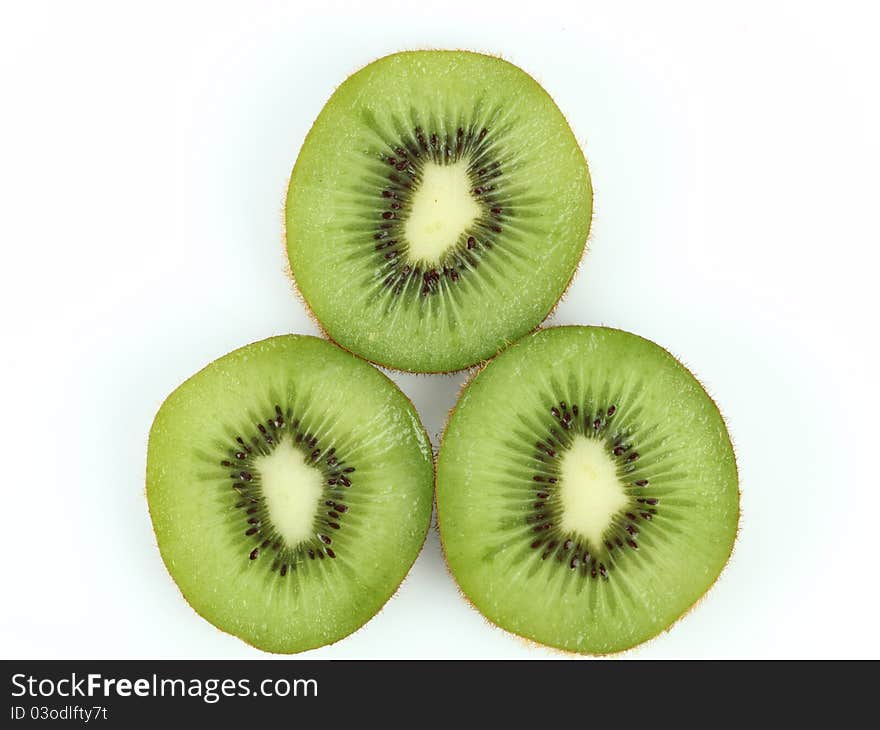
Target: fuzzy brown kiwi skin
(384,601)
(526,639)
(553,307)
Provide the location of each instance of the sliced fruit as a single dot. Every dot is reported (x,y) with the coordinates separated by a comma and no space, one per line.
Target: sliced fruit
(437,211)
(290,488)
(587,490)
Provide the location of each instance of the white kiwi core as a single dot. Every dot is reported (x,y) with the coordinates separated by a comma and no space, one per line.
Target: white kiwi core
(292,490)
(589,489)
(443,208)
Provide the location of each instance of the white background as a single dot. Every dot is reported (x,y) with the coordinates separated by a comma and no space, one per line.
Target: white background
(144,156)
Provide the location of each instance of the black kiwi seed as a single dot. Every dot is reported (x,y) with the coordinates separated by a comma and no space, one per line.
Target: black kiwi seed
(258,528)
(545,511)
(408,156)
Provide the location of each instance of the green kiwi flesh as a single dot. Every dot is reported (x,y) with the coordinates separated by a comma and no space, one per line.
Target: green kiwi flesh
(290,486)
(437,210)
(587,490)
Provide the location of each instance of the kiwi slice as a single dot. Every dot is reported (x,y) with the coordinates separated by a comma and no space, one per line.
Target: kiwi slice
(290,488)
(437,210)
(587,490)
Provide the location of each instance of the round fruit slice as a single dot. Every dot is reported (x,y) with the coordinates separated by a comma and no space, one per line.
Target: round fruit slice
(587,490)
(290,487)
(437,211)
